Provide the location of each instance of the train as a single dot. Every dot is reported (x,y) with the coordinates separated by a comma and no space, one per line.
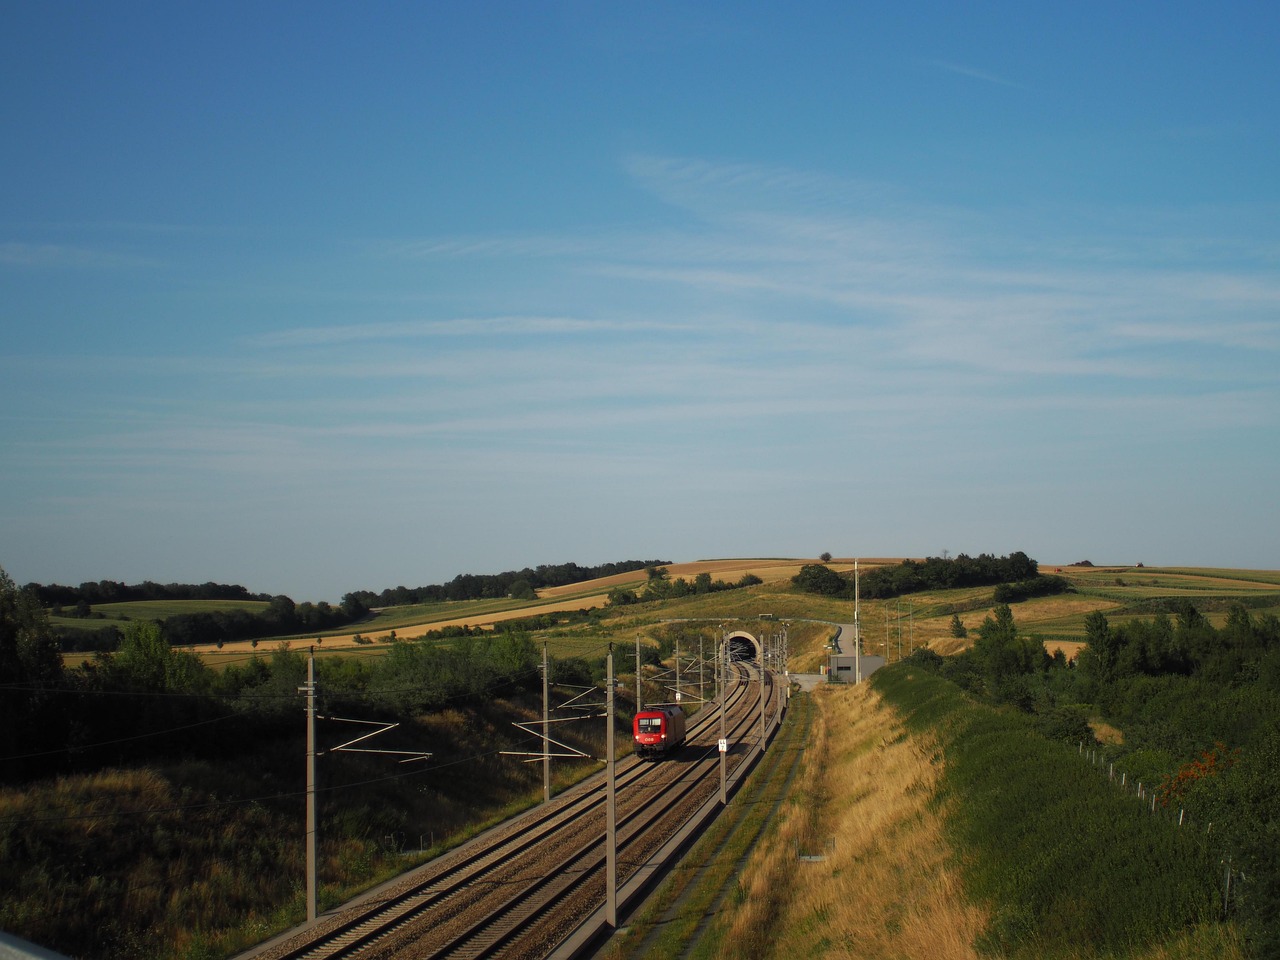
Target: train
(658,732)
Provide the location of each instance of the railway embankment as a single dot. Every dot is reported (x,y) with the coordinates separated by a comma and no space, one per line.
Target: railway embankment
(922,824)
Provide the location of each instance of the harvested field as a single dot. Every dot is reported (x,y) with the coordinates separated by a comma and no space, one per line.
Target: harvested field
(1070,649)
(410,632)
(767,569)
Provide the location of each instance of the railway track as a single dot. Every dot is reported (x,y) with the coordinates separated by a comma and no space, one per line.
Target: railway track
(520,889)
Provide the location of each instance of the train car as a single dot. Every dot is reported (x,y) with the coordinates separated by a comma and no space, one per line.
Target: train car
(658,732)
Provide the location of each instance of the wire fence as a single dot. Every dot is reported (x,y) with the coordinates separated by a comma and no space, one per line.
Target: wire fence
(1150,801)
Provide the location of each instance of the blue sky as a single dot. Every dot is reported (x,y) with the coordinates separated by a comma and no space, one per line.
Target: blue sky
(317,297)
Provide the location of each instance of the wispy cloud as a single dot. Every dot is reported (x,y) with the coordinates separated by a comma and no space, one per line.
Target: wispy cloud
(57,255)
(973,73)
(457,327)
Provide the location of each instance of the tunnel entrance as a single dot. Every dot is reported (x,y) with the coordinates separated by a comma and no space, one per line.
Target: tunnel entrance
(742,646)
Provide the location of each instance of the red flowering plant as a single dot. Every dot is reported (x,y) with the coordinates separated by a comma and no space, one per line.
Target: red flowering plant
(1209,764)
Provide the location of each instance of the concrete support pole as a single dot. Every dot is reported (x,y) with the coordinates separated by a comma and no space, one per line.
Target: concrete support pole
(639,690)
(312,845)
(611,811)
(722,671)
(763,698)
(678,698)
(857,627)
(546,726)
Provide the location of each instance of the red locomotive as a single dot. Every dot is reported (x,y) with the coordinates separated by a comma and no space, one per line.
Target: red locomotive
(658,732)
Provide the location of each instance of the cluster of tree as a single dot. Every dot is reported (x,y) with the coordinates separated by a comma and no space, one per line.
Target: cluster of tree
(660,586)
(933,573)
(282,616)
(514,583)
(1043,585)
(1199,706)
(546,621)
(109,591)
(940,573)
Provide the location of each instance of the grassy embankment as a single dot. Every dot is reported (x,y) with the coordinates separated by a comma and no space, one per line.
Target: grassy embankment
(951,829)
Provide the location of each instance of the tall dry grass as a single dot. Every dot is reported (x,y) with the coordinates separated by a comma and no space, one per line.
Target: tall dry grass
(885,888)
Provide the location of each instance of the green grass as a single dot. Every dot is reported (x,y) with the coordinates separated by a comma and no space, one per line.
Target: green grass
(1069,865)
(1147,582)
(153,610)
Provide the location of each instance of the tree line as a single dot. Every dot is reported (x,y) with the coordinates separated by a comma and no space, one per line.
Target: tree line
(513,583)
(111,591)
(934,573)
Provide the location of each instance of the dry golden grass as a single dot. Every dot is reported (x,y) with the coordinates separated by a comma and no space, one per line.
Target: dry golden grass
(886,888)
(1106,733)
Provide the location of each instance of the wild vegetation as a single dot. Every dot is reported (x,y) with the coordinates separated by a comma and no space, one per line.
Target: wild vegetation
(1199,711)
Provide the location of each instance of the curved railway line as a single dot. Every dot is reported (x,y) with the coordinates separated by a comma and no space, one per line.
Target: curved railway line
(522,888)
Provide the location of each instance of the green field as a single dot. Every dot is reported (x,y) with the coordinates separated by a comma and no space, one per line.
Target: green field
(105,613)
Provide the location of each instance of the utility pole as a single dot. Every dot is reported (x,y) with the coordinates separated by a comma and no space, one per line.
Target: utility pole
(763,671)
(639,692)
(702,693)
(780,670)
(786,660)
(722,672)
(546,727)
(677,671)
(857,628)
(310,690)
(611,811)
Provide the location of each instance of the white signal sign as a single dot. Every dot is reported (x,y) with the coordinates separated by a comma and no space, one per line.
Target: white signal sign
(724,745)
